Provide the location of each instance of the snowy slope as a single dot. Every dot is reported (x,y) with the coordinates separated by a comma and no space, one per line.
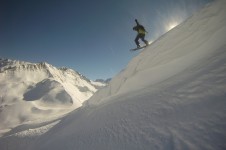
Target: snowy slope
(192,42)
(31,91)
(171,96)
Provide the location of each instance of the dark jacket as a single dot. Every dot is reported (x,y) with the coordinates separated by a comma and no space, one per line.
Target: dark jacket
(139,28)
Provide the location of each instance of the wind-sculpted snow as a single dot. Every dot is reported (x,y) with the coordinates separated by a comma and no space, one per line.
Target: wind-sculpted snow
(169,97)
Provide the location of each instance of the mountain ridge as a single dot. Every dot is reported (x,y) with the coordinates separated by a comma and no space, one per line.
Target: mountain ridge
(39,88)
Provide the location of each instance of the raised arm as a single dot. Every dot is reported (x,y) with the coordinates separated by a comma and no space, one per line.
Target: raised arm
(137,22)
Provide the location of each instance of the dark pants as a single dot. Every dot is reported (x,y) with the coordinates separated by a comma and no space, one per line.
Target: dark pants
(140,36)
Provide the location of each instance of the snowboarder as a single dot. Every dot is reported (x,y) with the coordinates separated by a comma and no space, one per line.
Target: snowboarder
(141,34)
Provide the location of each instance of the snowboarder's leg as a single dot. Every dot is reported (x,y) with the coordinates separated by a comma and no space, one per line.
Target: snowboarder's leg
(137,40)
(145,41)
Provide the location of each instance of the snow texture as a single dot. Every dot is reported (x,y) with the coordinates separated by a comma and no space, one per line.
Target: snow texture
(172,96)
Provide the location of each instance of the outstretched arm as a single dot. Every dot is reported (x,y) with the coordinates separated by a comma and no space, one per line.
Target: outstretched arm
(137,22)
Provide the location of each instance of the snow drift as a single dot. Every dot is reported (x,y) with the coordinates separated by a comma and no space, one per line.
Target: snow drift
(170,96)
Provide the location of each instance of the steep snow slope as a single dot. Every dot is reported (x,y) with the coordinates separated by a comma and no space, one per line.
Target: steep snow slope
(171,96)
(33,91)
(192,42)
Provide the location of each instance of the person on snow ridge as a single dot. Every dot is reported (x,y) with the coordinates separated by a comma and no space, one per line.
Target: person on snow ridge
(141,34)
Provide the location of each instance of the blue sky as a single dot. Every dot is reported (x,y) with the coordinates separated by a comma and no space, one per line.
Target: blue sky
(92,37)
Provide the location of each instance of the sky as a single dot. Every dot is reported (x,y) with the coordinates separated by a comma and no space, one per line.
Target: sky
(92,37)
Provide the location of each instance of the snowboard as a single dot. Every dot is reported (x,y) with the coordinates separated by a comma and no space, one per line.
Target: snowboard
(138,48)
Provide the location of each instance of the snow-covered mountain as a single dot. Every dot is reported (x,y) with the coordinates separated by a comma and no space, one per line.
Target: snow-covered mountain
(172,96)
(103,81)
(31,91)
